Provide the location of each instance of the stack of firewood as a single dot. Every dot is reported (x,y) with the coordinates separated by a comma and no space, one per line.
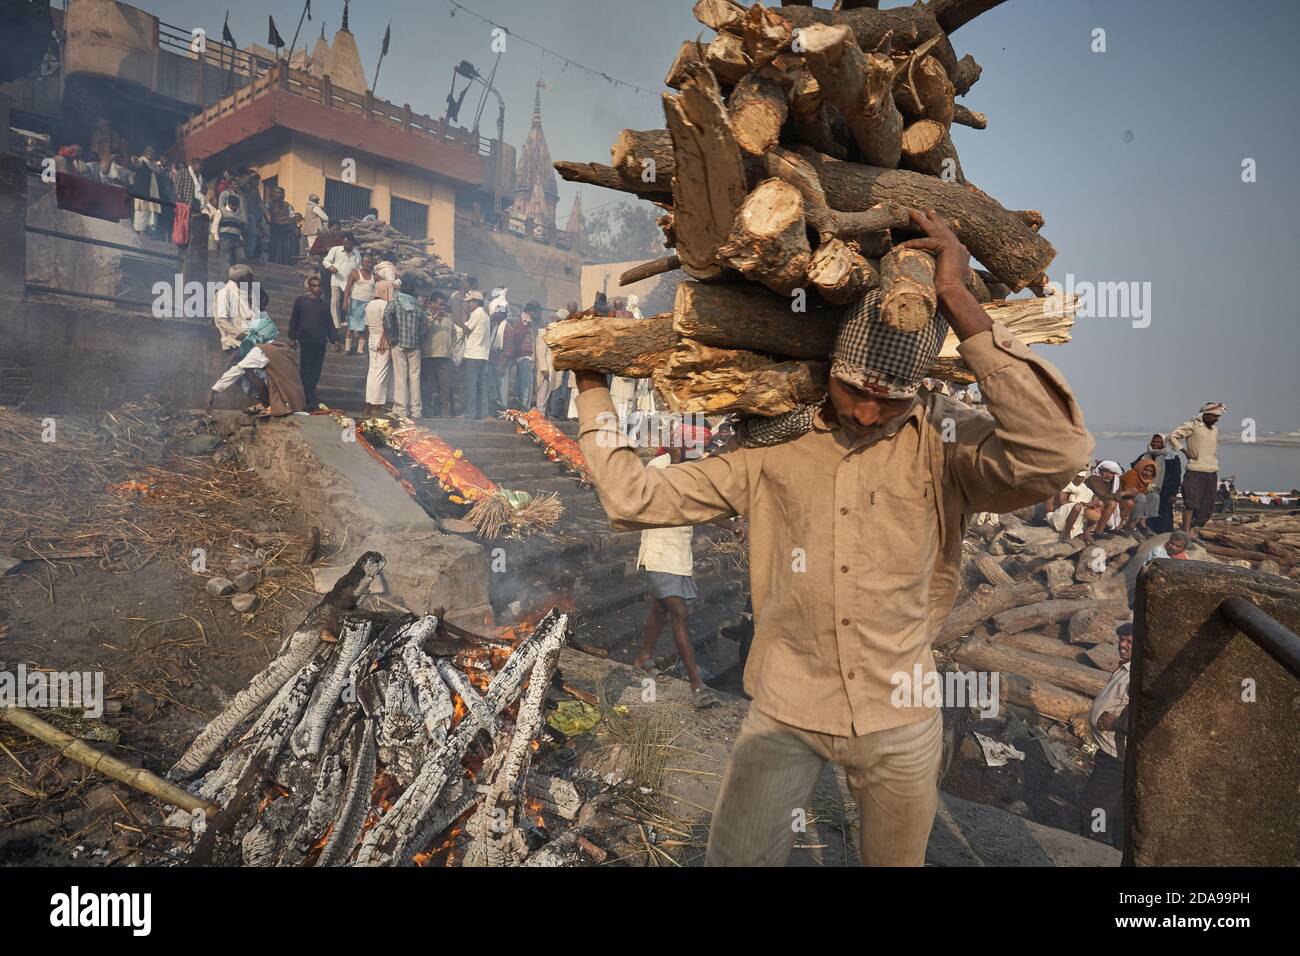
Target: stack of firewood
(350,747)
(1044,613)
(795,144)
(1269,543)
(422,270)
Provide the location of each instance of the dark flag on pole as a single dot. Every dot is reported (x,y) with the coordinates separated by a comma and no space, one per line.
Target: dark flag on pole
(388,35)
(226,35)
(273,38)
(308,9)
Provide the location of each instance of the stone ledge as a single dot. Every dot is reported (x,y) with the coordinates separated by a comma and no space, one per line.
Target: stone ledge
(342,488)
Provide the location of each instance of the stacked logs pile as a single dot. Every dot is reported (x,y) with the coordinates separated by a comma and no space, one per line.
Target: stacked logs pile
(795,144)
(1269,543)
(1044,613)
(422,270)
(351,746)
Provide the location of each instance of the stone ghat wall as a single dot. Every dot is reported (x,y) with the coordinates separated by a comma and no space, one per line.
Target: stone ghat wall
(85,358)
(344,490)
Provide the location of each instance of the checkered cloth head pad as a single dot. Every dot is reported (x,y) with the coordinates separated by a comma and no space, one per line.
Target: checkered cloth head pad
(880,360)
(869,355)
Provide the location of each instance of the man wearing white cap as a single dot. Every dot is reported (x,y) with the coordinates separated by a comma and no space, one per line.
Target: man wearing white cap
(477,332)
(1198,439)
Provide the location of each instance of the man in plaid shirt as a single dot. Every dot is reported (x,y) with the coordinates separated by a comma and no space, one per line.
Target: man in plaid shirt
(404,324)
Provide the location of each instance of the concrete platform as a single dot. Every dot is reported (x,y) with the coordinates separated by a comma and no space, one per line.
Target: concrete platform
(353,496)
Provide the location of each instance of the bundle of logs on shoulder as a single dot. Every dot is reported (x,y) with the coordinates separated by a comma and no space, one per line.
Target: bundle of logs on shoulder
(795,144)
(351,747)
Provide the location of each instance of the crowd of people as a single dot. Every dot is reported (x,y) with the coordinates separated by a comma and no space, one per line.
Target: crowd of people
(245,220)
(1141,499)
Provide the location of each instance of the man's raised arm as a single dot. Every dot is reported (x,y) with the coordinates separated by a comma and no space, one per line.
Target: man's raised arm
(1039,440)
(634,496)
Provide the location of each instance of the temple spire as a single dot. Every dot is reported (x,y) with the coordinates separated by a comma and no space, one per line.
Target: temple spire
(345,16)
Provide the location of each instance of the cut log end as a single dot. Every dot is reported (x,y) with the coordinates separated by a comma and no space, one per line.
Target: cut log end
(908,301)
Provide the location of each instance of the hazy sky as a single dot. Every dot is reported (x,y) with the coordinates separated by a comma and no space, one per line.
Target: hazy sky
(1133,155)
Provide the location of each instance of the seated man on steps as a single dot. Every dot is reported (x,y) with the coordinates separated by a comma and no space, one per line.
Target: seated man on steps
(856,510)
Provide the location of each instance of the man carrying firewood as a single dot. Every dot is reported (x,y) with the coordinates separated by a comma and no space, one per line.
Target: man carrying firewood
(856,513)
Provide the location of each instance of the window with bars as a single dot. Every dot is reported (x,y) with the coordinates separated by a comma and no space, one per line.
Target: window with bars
(345,201)
(411,219)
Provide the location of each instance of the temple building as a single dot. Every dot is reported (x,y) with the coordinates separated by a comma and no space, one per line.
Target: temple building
(576,227)
(306,122)
(536,191)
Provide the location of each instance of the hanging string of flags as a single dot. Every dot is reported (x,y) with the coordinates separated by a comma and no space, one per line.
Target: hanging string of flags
(615,81)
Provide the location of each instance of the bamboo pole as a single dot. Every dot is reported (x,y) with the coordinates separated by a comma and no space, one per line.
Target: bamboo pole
(80,751)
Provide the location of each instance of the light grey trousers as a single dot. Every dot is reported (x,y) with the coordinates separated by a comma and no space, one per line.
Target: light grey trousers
(768,788)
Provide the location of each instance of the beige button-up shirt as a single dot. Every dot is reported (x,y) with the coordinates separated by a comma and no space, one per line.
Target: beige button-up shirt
(855,539)
(1199,442)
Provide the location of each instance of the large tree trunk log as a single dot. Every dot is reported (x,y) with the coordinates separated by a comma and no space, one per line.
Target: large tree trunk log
(690,52)
(769,238)
(927,148)
(746,317)
(633,348)
(598,174)
(1037,615)
(1000,239)
(758,108)
(720,15)
(986,655)
(985,603)
(1095,625)
(699,378)
(767,34)
(859,84)
(643,156)
(709,179)
(991,571)
(907,298)
(797,171)
(1046,643)
(1043,697)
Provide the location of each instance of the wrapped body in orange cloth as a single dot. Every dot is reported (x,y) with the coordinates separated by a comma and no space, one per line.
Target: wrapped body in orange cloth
(559,446)
(461,480)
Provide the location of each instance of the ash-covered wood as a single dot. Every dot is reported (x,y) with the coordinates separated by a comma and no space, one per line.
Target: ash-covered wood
(356,757)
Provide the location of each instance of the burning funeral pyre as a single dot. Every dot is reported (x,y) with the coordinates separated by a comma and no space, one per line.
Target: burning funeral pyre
(370,735)
(493,511)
